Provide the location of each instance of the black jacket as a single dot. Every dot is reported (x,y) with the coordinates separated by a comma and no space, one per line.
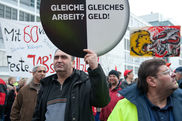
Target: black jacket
(87,91)
(180,83)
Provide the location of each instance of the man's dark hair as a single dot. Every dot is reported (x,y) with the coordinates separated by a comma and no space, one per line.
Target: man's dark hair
(148,68)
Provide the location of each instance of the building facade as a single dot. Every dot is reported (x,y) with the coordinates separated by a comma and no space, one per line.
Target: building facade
(21,10)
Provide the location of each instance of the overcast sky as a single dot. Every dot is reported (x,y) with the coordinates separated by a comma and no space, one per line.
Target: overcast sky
(171,9)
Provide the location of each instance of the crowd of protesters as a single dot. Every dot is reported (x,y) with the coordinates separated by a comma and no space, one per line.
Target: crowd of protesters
(73,95)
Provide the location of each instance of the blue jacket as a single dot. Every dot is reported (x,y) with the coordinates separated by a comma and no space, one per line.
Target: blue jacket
(137,98)
(180,83)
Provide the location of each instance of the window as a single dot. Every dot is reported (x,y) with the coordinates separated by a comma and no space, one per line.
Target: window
(1,11)
(128,58)
(126,44)
(128,67)
(32,18)
(180,62)
(21,16)
(1,39)
(8,13)
(27,2)
(38,19)
(14,14)
(32,3)
(26,17)
(38,4)
(136,60)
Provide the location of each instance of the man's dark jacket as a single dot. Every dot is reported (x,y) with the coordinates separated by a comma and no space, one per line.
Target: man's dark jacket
(86,91)
(180,83)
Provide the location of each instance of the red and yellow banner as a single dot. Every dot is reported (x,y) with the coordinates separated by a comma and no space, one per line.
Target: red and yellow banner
(158,41)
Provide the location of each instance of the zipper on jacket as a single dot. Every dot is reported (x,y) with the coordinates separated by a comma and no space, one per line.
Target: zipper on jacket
(61,87)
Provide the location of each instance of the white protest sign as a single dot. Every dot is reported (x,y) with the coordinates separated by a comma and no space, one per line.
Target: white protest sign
(26,46)
(72,25)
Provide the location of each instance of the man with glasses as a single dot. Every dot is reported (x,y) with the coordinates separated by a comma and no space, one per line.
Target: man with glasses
(178,72)
(25,102)
(155,97)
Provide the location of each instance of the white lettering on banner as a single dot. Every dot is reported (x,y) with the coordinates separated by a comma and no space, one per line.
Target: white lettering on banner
(110,7)
(68,7)
(64,8)
(67,16)
(98,16)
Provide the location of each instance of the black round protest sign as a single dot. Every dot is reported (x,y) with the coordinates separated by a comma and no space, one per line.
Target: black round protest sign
(74,25)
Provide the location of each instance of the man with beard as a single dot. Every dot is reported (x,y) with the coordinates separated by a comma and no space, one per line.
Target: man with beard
(70,94)
(25,102)
(114,83)
(155,97)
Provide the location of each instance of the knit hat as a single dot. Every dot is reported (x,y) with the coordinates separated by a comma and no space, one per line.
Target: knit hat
(179,69)
(113,72)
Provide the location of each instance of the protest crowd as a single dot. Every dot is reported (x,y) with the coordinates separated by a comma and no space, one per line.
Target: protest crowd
(73,95)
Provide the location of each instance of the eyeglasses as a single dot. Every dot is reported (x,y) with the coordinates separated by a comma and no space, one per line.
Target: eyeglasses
(40,71)
(167,72)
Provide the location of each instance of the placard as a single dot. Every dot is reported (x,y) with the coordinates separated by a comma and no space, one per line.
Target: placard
(72,25)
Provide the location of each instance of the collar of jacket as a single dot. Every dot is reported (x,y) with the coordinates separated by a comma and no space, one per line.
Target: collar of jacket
(34,86)
(74,76)
(133,94)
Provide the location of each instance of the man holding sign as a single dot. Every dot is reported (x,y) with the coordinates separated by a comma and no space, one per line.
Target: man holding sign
(69,94)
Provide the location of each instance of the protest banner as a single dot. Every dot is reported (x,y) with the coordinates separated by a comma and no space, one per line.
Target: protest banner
(27,45)
(158,41)
(72,25)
